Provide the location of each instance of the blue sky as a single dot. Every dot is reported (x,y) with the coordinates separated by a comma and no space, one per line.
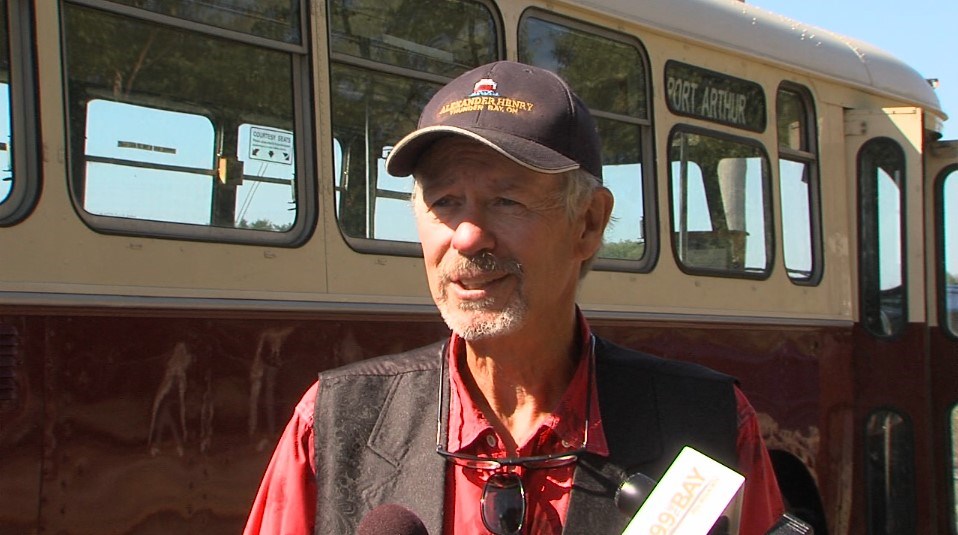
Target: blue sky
(920,32)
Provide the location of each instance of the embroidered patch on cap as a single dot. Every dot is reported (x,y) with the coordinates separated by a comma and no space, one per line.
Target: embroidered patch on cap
(485,97)
(485,87)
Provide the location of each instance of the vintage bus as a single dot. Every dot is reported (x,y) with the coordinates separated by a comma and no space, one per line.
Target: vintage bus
(195,219)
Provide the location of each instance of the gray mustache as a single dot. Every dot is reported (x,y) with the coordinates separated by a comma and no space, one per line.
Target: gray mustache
(482,263)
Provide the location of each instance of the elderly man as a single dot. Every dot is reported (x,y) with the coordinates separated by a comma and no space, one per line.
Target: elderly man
(539,421)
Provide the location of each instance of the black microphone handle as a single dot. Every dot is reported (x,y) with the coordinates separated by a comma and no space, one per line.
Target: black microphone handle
(790,525)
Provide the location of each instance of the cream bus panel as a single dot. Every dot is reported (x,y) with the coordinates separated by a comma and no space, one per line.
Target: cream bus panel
(904,128)
(329,268)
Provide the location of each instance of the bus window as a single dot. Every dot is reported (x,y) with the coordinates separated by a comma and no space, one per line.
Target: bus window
(277,20)
(609,73)
(949,252)
(154,177)
(19,163)
(174,132)
(954,467)
(373,105)
(721,214)
(6,163)
(889,473)
(881,164)
(390,210)
(798,185)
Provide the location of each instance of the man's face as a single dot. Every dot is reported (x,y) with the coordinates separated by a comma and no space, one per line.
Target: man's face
(501,253)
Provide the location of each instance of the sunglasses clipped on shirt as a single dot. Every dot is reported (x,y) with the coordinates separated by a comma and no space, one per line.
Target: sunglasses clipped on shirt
(503,503)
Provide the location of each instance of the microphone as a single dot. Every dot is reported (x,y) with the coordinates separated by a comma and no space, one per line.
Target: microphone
(633,492)
(690,498)
(636,488)
(391,519)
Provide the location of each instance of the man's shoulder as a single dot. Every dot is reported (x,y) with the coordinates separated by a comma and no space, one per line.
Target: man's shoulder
(425,358)
(622,359)
(306,406)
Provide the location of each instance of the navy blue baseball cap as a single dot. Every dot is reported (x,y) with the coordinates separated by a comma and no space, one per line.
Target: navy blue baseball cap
(528,114)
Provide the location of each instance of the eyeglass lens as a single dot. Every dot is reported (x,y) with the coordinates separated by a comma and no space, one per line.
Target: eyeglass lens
(503,505)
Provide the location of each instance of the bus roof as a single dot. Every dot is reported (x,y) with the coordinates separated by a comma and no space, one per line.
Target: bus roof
(754,31)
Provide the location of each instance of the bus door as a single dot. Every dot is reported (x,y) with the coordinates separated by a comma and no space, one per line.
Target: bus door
(892,454)
(941,184)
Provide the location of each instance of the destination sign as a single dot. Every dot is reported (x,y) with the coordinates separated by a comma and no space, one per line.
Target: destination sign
(695,92)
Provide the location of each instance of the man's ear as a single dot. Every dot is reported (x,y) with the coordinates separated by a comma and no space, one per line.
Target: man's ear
(593,221)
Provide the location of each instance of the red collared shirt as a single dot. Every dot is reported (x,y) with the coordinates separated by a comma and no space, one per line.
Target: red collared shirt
(547,491)
(286,501)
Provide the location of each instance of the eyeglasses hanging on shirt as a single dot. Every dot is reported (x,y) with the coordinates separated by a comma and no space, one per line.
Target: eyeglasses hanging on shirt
(503,502)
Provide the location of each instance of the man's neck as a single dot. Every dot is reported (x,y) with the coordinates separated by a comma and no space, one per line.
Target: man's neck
(518,380)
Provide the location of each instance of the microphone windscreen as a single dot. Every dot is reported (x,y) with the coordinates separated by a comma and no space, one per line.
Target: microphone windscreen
(391,519)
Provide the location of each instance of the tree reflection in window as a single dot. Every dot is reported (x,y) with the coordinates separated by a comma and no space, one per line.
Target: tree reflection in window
(374,103)
(608,72)
(169,125)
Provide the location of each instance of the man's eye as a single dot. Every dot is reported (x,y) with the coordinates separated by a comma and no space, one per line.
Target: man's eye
(442,202)
(502,201)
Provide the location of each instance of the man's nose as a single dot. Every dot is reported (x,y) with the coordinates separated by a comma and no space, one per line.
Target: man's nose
(472,236)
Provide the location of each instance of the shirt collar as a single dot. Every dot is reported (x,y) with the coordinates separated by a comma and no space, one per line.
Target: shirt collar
(468,425)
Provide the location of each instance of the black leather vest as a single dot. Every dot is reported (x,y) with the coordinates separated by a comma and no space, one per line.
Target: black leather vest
(375,434)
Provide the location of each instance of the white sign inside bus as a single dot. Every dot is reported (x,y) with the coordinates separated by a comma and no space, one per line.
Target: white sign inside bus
(713,96)
(270,145)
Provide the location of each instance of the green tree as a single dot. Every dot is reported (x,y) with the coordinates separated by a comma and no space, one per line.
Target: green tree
(263,224)
(625,250)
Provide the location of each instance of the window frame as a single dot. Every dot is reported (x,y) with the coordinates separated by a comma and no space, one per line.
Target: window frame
(768,200)
(865,291)
(650,215)
(340,59)
(949,172)
(300,60)
(25,154)
(809,157)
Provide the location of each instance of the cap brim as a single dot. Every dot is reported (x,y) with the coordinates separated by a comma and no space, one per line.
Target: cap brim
(405,155)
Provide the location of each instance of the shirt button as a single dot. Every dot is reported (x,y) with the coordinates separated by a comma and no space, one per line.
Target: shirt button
(491,440)
(566,444)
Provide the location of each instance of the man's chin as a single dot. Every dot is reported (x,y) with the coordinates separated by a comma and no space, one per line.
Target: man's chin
(474,326)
